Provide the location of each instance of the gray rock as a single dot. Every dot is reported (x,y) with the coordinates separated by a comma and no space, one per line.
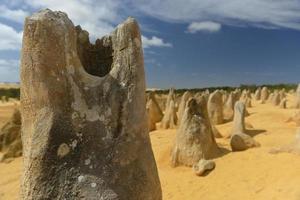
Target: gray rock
(242,141)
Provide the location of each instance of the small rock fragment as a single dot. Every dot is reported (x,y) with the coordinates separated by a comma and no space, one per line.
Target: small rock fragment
(203,166)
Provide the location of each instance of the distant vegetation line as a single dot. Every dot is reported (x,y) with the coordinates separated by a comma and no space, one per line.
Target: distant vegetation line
(15,92)
(6,93)
(251,87)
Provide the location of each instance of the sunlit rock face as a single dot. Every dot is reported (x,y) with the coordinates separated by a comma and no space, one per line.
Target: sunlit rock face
(297,103)
(10,138)
(84,123)
(194,137)
(215,108)
(239,140)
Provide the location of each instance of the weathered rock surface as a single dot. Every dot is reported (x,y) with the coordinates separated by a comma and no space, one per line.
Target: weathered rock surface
(185,97)
(283,103)
(170,119)
(257,94)
(297,103)
(10,137)
(248,103)
(240,141)
(171,97)
(224,97)
(215,108)
(228,109)
(282,94)
(264,94)
(239,118)
(245,95)
(84,135)
(276,99)
(270,98)
(154,112)
(194,138)
(203,166)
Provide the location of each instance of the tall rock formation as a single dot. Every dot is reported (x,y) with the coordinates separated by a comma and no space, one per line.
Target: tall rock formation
(84,129)
(215,108)
(194,138)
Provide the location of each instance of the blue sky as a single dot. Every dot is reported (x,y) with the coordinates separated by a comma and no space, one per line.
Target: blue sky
(187,44)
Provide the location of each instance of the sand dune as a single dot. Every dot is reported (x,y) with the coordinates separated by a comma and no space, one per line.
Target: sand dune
(252,174)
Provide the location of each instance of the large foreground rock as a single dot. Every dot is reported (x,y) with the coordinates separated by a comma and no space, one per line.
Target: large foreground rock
(194,138)
(85,136)
(10,137)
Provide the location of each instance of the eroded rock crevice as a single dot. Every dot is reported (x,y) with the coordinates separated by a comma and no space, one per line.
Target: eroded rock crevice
(96,58)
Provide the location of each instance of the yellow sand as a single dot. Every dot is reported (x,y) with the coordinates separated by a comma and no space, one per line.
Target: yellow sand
(252,174)
(9,173)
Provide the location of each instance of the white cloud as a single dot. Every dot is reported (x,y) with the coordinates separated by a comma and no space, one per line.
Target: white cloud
(9,38)
(17,15)
(257,13)
(154,42)
(207,26)
(97,17)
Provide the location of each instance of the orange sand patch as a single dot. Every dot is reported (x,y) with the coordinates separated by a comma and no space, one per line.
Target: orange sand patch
(252,174)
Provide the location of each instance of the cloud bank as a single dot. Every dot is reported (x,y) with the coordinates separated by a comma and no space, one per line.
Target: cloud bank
(255,13)
(97,17)
(10,39)
(155,42)
(207,26)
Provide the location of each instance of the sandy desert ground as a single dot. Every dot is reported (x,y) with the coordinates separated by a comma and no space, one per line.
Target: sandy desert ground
(252,174)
